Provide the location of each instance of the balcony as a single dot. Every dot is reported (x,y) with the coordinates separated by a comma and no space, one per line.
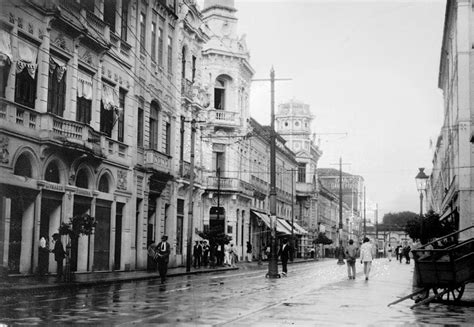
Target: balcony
(303,189)
(185,172)
(229,185)
(49,127)
(157,161)
(223,118)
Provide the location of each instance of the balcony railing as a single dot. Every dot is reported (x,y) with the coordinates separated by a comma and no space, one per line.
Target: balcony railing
(229,184)
(223,117)
(305,188)
(45,125)
(157,160)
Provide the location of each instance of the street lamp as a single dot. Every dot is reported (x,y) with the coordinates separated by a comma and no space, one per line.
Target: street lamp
(421,178)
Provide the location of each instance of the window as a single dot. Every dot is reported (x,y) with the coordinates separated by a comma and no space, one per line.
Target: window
(82,179)
(104,184)
(84,98)
(183,63)
(109,13)
(140,126)
(5,61)
(218,160)
(160,44)
(124,20)
(56,87)
(153,39)
(170,55)
(194,69)
(181,141)
(219,94)
(301,172)
(179,226)
(154,114)
(121,115)
(142,32)
(108,108)
(25,85)
(52,173)
(23,166)
(168,138)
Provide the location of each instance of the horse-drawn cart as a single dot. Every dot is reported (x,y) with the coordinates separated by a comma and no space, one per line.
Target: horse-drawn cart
(442,269)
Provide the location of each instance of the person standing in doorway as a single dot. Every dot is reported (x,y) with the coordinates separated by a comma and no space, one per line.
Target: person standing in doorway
(285,252)
(163,250)
(366,256)
(205,253)
(197,253)
(351,255)
(249,252)
(59,255)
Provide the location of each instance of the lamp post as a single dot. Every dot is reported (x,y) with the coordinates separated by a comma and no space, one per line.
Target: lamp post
(421,178)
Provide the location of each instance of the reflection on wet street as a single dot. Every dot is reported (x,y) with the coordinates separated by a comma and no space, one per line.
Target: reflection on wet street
(316,293)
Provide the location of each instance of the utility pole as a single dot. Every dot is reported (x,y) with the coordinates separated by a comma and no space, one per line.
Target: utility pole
(273,260)
(190,204)
(340,260)
(377,228)
(292,211)
(365,216)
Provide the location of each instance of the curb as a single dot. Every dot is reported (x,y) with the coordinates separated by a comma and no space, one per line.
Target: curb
(75,285)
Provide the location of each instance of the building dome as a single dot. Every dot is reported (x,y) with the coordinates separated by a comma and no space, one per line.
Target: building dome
(294,108)
(219,3)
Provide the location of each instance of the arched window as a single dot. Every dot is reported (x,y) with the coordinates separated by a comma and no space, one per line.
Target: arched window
(219,94)
(154,120)
(52,173)
(104,184)
(82,179)
(23,166)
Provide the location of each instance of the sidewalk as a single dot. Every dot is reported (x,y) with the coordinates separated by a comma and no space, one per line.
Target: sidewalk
(13,284)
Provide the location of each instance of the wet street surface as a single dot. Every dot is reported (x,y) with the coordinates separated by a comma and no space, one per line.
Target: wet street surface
(314,293)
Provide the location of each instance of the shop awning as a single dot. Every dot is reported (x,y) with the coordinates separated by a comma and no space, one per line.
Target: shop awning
(265,218)
(300,229)
(281,227)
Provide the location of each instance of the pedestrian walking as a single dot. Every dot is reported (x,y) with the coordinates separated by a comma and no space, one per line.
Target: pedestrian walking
(285,252)
(389,251)
(163,250)
(351,255)
(249,252)
(400,253)
(59,255)
(406,253)
(197,253)
(366,256)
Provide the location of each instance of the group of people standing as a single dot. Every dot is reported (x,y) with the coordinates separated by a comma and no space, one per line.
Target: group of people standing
(57,250)
(403,251)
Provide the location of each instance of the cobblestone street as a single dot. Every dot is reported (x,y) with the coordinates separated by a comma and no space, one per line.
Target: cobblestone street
(314,293)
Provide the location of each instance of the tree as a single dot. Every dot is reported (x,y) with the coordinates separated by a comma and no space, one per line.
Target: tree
(215,236)
(322,239)
(432,227)
(399,218)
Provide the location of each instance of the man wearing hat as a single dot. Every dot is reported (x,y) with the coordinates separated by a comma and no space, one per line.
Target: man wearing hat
(59,255)
(163,250)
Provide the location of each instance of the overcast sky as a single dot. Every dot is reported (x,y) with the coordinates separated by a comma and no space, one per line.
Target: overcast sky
(366,68)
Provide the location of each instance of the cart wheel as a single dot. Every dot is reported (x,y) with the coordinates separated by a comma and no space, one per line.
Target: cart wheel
(454,293)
